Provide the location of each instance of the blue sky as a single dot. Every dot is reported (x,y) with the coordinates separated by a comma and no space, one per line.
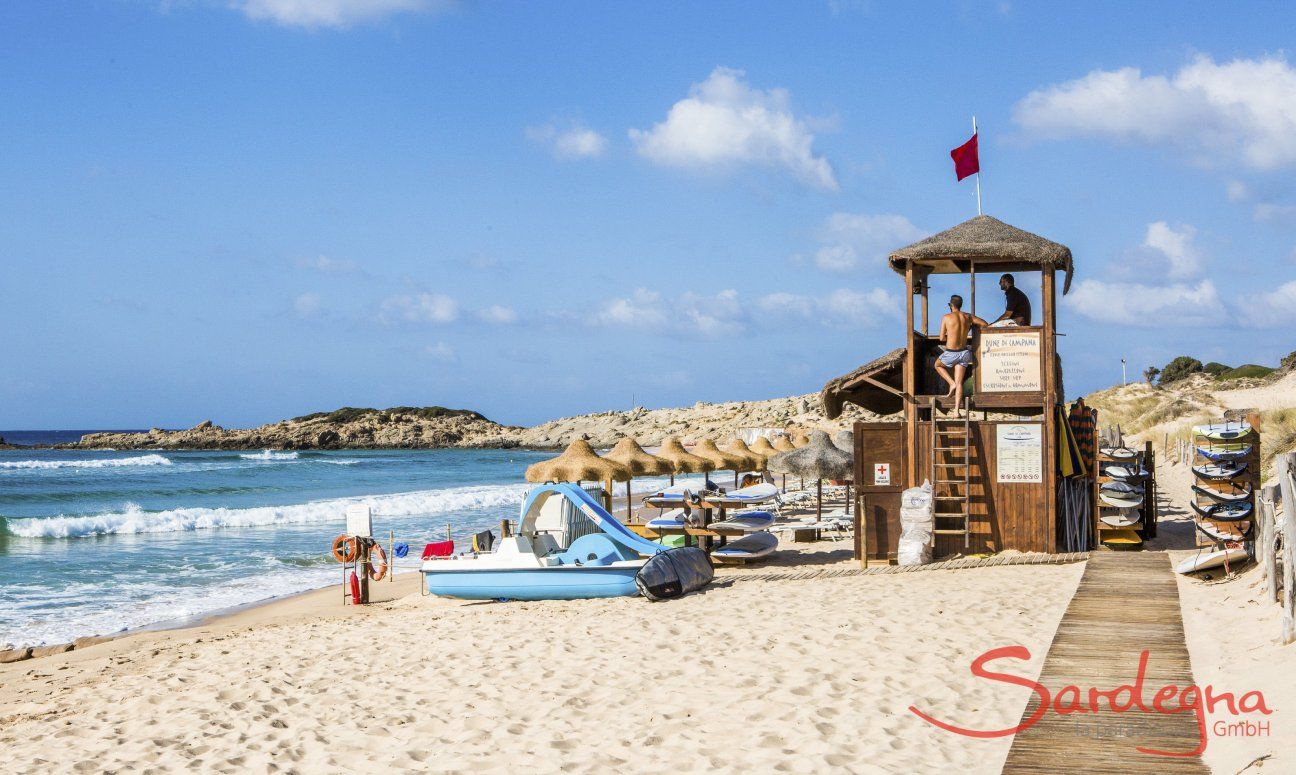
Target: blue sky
(249,210)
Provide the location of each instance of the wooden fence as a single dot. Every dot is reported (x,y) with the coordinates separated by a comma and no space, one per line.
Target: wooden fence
(1276,524)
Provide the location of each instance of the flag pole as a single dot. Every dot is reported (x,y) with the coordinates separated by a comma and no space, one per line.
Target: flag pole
(978,180)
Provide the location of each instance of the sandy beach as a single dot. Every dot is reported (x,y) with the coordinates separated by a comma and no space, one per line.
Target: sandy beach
(771,675)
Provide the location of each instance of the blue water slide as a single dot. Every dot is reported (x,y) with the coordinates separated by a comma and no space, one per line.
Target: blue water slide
(595,511)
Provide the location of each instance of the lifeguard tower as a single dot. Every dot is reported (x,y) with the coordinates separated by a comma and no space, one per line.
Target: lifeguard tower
(993,469)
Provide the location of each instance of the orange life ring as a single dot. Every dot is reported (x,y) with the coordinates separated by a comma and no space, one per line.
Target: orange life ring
(346,548)
(377,575)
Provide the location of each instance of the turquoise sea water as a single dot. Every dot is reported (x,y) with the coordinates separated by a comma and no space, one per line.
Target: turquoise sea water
(96,542)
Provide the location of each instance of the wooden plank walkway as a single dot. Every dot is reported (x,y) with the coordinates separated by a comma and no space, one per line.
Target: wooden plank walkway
(1126,602)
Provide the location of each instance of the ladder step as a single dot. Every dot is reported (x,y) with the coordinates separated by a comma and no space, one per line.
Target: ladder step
(951,532)
(951,481)
(950,498)
(949,465)
(952,449)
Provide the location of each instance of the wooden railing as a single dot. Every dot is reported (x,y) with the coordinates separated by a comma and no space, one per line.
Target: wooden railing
(1277,525)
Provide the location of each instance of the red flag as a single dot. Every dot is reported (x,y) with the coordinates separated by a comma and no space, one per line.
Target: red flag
(965,158)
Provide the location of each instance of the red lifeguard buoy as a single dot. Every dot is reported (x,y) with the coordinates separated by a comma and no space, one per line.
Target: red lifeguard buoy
(377,575)
(346,548)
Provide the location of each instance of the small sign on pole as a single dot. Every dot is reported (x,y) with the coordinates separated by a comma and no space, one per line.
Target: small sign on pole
(359,520)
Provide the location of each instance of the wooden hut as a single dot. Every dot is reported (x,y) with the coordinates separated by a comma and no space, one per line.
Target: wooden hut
(993,470)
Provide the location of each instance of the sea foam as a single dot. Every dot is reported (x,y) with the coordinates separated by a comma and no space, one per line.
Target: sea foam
(133,519)
(141,460)
(271,455)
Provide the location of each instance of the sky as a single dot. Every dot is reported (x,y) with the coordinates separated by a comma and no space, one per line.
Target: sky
(244,210)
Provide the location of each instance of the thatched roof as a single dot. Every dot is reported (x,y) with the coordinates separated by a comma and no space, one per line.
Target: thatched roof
(577,463)
(783,444)
(800,439)
(851,387)
(845,441)
(628,453)
(818,459)
(761,446)
(718,460)
(684,461)
(989,241)
(739,448)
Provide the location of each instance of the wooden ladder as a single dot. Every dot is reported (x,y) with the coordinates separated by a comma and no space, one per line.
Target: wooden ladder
(951,439)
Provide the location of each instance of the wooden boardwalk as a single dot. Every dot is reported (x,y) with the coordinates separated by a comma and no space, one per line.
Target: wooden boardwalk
(1126,602)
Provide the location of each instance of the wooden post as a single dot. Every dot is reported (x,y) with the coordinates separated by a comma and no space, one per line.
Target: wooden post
(363,570)
(1266,550)
(629,509)
(925,316)
(1285,467)
(1048,371)
(910,379)
(861,517)
(819,501)
(391,556)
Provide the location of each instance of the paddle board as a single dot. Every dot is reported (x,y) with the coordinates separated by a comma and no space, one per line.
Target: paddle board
(1121,518)
(1125,472)
(1223,496)
(746,521)
(1206,560)
(1219,472)
(1119,453)
(1124,538)
(1223,431)
(1222,452)
(1227,532)
(749,547)
(1121,495)
(1225,512)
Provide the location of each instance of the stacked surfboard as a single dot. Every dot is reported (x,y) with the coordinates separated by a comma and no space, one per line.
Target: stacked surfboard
(1226,464)
(1125,492)
(755,541)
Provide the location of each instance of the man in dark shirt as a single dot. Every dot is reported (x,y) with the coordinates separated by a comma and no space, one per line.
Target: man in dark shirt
(1018,308)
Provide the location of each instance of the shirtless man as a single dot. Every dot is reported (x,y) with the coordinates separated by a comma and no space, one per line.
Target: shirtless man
(954,331)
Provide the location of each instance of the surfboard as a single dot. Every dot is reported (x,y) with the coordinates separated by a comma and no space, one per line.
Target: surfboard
(1205,561)
(1124,538)
(1224,452)
(1225,512)
(1121,518)
(1226,497)
(1119,453)
(746,521)
(1229,531)
(1219,472)
(1223,431)
(1121,495)
(1125,472)
(749,547)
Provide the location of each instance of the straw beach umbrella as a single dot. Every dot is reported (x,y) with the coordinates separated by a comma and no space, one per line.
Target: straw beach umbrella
(684,462)
(761,446)
(628,453)
(819,459)
(717,460)
(739,448)
(578,463)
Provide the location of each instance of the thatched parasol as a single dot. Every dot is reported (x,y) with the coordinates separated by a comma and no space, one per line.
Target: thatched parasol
(800,439)
(845,441)
(783,444)
(684,462)
(761,446)
(628,453)
(718,460)
(751,460)
(819,459)
(578,463)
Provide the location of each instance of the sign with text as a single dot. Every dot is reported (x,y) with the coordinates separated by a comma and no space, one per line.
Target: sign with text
(1019,452)
(881,474)
(1009,361)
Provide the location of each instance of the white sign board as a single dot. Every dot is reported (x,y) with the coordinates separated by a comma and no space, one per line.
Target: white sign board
(881,474)
(1009,361)
(359,521)
(1019,452)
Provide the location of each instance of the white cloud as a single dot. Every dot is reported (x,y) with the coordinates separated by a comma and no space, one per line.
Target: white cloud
(1177,246)
(440,351)
(327,265)
(308,305)
(1237,191)
(1274,212)
(1272,309)
(419,308)
(1243,110)
(574,142)
(691,314)
(338,14)
(725,123)
(497,314)
(844,307)
(1135,304)
(849,238)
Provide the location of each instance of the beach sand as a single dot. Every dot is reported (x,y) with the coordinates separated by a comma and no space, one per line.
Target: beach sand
(750,675)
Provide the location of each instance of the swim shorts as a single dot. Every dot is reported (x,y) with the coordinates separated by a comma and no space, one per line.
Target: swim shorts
(951,358)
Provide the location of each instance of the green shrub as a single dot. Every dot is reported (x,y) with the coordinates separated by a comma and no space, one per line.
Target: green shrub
(1288,362)
(1179,368)
(1247,371)
(1215,369)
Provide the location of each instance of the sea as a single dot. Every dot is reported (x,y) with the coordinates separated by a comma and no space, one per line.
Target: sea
(96,542)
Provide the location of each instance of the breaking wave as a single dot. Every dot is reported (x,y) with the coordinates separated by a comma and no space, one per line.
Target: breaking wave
(141,460)
(133,519)
(271,455)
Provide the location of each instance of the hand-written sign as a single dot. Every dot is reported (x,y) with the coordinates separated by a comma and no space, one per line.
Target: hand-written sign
(1019,452)
(1009,361)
